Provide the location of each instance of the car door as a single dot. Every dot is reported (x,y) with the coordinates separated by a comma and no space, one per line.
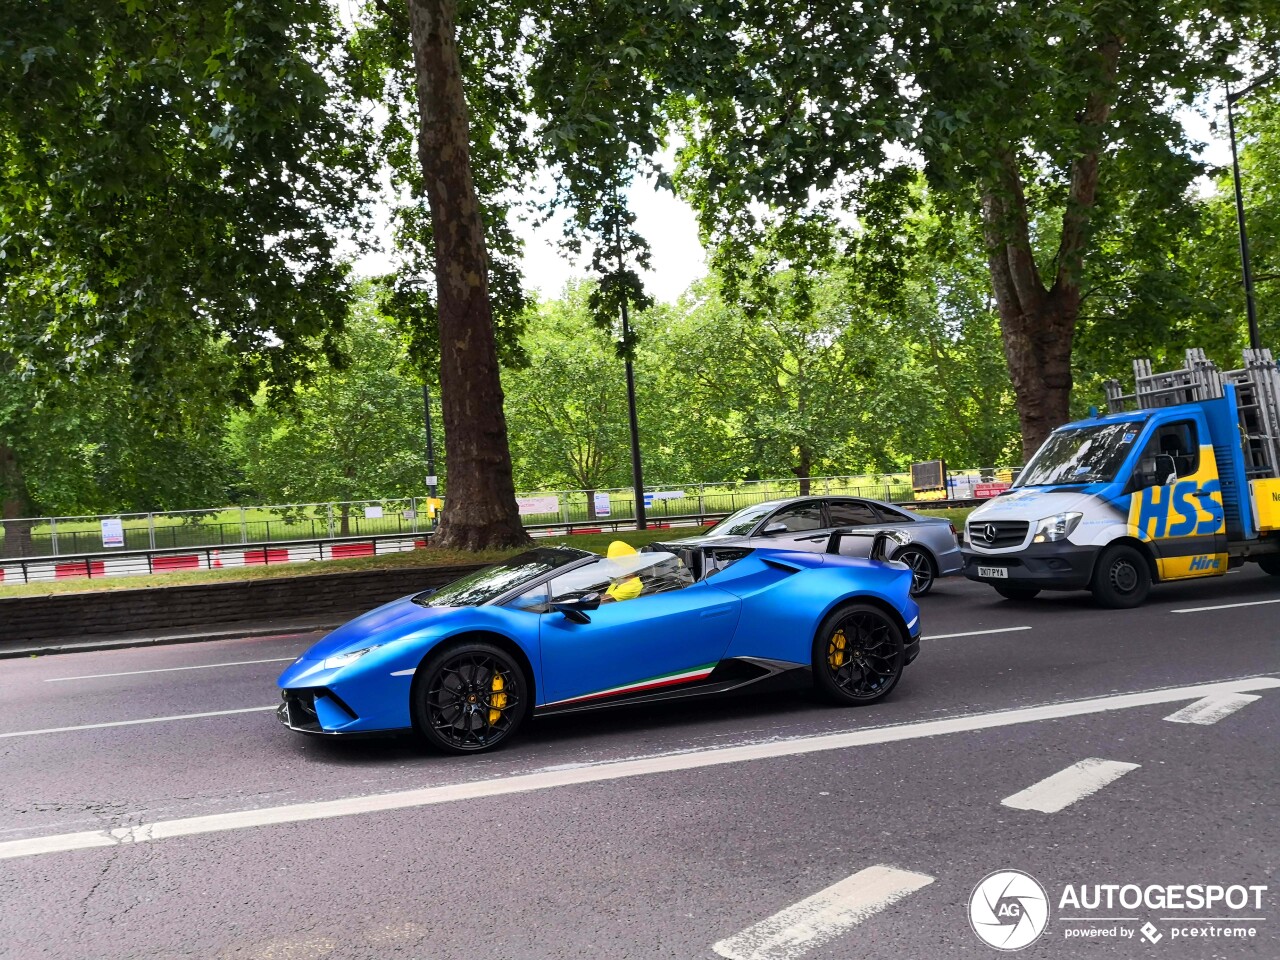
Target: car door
(861,516)
(631,646)
(803,527)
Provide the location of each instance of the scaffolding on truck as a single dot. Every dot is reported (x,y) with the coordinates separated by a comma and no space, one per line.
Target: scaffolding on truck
(1257,387)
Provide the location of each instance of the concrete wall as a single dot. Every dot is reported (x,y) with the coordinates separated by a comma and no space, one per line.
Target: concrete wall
(301,599)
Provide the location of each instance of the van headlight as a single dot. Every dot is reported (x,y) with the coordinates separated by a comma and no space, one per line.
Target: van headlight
(1057,527)
(345,659)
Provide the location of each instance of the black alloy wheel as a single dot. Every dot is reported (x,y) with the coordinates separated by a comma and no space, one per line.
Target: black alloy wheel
(858,654)
(1122,578)
(923,572)
(469,697)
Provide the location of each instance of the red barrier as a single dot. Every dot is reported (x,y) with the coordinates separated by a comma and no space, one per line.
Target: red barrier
(342,550)
(69,571)
(185,561)
(258,558)
(588,530)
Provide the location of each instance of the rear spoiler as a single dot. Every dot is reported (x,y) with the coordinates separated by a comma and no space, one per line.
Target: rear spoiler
(884,543)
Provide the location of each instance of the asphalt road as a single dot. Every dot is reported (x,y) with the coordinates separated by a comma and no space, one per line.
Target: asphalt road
(759,828)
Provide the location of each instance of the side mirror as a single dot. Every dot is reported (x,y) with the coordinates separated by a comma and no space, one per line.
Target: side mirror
(1156,471)
(773,528)
(575,610)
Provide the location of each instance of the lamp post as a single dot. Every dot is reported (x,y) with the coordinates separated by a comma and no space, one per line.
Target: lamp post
(637,477)
(1245,268)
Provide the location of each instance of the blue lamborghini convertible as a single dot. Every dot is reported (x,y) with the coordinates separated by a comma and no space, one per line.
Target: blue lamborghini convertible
(558,629)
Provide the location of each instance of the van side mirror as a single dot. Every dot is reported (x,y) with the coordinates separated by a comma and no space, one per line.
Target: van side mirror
(771,528)
(1156,471)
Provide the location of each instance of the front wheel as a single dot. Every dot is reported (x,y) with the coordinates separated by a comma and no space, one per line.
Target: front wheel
(469,697)
(858,654)
(1270,565)
(1122,578)
(922,569)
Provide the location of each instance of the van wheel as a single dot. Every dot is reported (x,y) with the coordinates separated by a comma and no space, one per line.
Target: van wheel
(1011,592)
(1122,578)
(1270,565)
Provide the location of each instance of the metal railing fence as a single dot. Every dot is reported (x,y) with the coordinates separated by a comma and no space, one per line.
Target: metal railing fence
(241,525)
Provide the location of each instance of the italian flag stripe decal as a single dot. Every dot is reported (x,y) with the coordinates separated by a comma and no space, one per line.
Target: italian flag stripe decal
(653,683)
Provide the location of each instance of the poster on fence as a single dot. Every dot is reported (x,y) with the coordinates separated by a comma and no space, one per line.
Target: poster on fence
(373,513)
(603,505)
(112,532)
(530,505)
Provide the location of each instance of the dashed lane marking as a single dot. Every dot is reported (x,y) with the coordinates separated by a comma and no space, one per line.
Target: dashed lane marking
(616,769)
(1212,709)
(975,633)
(1225,606)
(1068,786)
(130,723)
(198,666)
(815,920)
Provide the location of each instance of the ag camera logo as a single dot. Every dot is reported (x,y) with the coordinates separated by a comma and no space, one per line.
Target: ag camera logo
(1008,910)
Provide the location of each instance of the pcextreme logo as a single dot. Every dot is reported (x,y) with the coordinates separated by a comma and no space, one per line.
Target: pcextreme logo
(1009,910)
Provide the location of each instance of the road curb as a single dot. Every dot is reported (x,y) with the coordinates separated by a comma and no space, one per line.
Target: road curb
(230,632)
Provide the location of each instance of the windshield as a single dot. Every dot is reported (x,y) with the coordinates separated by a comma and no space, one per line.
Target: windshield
(741,524)
(490,583)
(1084,455)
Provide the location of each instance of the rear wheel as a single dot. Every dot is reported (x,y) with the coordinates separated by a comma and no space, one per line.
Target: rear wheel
(469,697)
(923,572)
(858,654)
(1122,578)
(1270,565)
(1012,592)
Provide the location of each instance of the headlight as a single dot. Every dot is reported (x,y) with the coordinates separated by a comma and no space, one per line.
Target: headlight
(1057,527)
(343,659)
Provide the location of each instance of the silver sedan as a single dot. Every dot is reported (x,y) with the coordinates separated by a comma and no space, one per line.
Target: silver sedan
(805,523)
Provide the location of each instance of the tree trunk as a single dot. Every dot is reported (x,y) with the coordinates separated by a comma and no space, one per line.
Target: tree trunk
(15,506)
(344,521)
(481,510)
(591,505)
(1039,323)
(803,470)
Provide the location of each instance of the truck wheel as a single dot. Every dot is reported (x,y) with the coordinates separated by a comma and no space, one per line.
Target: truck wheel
(1270,565)
(1011,592)
(1122,578)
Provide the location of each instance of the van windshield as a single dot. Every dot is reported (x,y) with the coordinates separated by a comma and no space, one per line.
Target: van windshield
(1082,455)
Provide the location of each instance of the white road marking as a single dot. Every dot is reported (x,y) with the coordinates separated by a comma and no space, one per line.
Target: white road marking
(130,723)
(1065,787)
(975,633)
(199,666)
(822,917)
(570,775)
(1212,709)
(1225,606)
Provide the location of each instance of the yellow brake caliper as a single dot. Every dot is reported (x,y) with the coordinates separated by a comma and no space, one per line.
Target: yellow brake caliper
(835,650)
(498,701)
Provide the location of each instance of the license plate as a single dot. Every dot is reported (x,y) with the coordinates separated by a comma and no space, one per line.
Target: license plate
(994,573)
